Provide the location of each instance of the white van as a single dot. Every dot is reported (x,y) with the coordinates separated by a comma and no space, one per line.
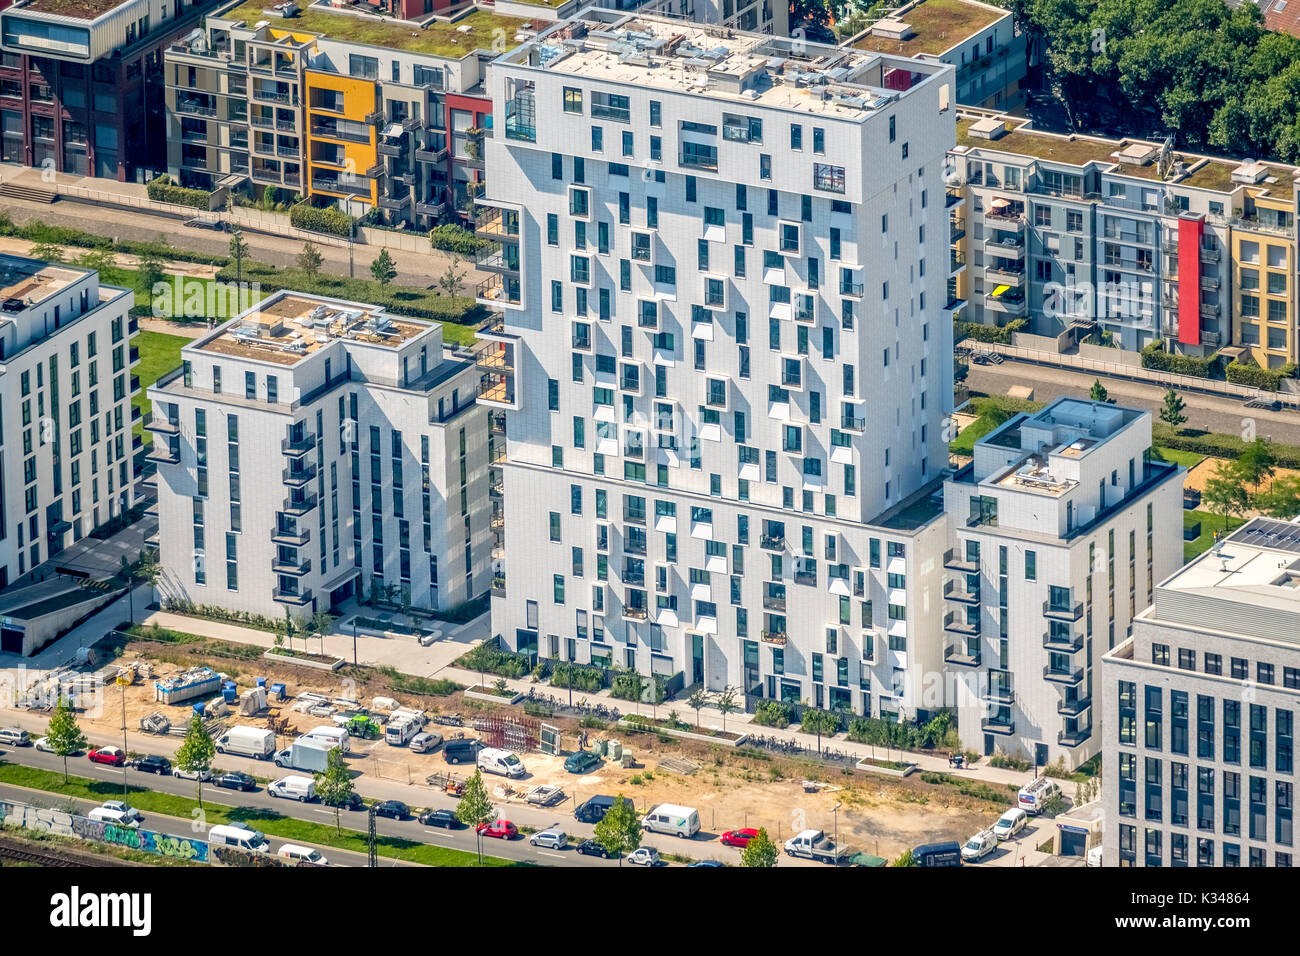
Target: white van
(504,762)
(979,846)
(301,854)
(334,736)
(302,789)
(1031,798)
(130,817)
(673,820)
(1010,823)
(398,733)
(240,837)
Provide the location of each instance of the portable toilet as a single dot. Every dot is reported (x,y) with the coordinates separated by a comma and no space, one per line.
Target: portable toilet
(261,682)
(228,692)
(614,749)
(278,691)
(199,709)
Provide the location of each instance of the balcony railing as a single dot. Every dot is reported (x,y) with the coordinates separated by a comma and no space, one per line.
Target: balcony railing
(300,507)
(1069,677)
(961,655)
(1063,612)
(297,477)
(772,542)
(998,725)
(1073,708)
(957,591)
(1069,644)
(959,625)
(298,446)
(954,560)
(298,599)
(295,539)
(1073,738)
(780,638)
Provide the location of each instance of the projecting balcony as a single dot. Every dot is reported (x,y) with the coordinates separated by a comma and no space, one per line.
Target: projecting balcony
(1073,708)
(498,258)
(295,568)
(953,197)
(430,154)
(779,638)
(636,613)
(497,224)
(1003,276)
(962,655)
(297,447)
(498,289)
(1074,738)
(299,599)
(398,204)
(159,424)
(165,452)
(497,391)
(1069,678)
(852,423)
(772,542)
(431,207)
(773,602)
(298,477)
(1006,247)
(300,507)
(953,560)
(999,693)
(959,625)
(392,147)
(1004,726)
(1063,612)
(1069,644)
(957,591)
(295,539)
(1006,303)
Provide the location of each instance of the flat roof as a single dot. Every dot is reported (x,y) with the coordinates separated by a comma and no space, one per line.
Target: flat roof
(76,9)
(717,63)
(437,37)
(288,327)
(937,27)
(32,281)
(1258,564)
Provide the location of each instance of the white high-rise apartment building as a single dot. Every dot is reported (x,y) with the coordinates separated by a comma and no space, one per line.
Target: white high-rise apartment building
(1061,528)
(310,450)
(723,357)
(65,409)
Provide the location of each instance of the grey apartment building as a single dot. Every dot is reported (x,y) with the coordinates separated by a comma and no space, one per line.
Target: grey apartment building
(1199,710)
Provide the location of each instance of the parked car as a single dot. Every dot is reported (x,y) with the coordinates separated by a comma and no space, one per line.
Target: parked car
(499,829)
(352,801)
(707,863)
(43,745)
(425,742)
(644,856)
(593,810)
(115,816)
(979,846)
(937,854)
(592,848)
(738,838)
(151,763)
(236,780)
(301,854)
(552,837)
(293,787)
(581,762)
(440,818)
(15,736)
(109,755)
(393,809)
(1010,823)
(204,775)
(125,809)
(544,795)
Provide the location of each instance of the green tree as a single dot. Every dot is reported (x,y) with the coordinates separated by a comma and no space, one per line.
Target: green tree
(634,685)
(1098,391)
(1171,413)
(100,259)
(1256,464)
(904,859)
(759,851)
(46,251)
(726,704)
(819,722)
(310,259)
(1282,500)
(619,831)
(196,752)
(383,268)
(475,808)
(318,624)
(149,268)
(697,701)
(334,784)
(453,277)
(1224,494)
(238,250)
(63,735)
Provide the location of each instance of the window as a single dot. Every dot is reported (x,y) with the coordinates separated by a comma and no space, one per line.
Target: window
(828,178)
(572,100)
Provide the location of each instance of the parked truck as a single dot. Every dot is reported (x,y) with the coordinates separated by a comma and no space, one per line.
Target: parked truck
(247,742)
(815,845)
(305,754)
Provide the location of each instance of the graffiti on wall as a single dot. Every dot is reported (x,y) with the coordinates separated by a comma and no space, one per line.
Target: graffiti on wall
(62,823)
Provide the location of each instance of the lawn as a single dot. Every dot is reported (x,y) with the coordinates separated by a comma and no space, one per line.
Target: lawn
(990,411)
(268,821)
(159,354)
(1210,523)
(1188,459)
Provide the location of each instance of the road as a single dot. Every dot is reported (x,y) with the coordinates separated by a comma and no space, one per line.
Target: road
(1212,413)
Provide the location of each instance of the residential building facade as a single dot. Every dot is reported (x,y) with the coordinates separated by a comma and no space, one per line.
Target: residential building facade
(81,83)
(1199,709)
(66,450)
(311,450)
(721,358)
(1061,525)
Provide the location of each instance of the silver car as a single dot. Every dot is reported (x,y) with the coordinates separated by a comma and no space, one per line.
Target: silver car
(552,837)
(426,742)
(15,736)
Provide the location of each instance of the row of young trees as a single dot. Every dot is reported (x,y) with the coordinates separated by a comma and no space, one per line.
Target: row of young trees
(1250,482)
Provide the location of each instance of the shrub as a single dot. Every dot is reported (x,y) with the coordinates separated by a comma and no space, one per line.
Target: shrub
(1004,760)
(162,189)
(578,677)
(316,219)
(772,713)
(979,332)
(490,659)
(1219,446)
(451,237)
(1248,373)
(1154,356)
(901,736)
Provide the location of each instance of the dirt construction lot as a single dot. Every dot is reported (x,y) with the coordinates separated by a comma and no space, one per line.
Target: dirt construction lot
(879,815)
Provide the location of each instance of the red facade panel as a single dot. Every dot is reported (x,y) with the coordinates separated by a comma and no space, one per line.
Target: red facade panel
(1189,280)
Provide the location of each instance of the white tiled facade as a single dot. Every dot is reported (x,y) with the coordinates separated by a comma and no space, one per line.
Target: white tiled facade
(1061,527)
(65,409)
(709,441)
(352,462)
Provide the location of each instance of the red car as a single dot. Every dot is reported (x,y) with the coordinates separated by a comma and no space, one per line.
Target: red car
(109,755)
(501,829)
(738,838)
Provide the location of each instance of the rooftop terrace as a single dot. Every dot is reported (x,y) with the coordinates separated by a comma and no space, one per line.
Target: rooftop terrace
(28,282)
(476,31)
(288,327)
(76,9)
(937,27)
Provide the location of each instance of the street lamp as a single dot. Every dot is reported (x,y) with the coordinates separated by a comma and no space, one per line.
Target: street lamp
(122,682)
(354,643)
(835,814)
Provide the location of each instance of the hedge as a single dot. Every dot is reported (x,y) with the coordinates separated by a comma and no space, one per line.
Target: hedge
(79,238)
(1217,445)
(450,237)
(1001,335)
(315,219)
(1154,356)
(162,189)
(1248,373)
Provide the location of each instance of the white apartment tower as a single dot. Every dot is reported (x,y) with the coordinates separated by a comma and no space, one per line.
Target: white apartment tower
(1062,526)
(65,409)
(723,357)
(310,450)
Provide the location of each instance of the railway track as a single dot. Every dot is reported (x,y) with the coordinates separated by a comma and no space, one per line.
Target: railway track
(17,851)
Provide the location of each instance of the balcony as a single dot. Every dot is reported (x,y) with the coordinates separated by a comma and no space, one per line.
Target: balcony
(1210,255)
(498,258)
(159,425)
(1003,276)
(772,542)
(1073,738)
(1070,678)
(779,638)
(297,477)
(295,539)
(433,208)
(636,613)
(296,447)
(854,289)
(1067,645)
(292,568)
(999,693)
(954,561)
(498,289)
(1006,303)
(300,599)
(957,591)
(300,507)
(430,154)
(398,204)
(164,453)
(1063,612)
(774,602)
(851,423)
(959,625)
(953,197)
(961,655)
(1073,708)
(1008,247)
(392,147)
(497,224)
(998,725)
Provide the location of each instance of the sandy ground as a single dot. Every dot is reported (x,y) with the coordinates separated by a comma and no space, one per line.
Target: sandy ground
(1206,469)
